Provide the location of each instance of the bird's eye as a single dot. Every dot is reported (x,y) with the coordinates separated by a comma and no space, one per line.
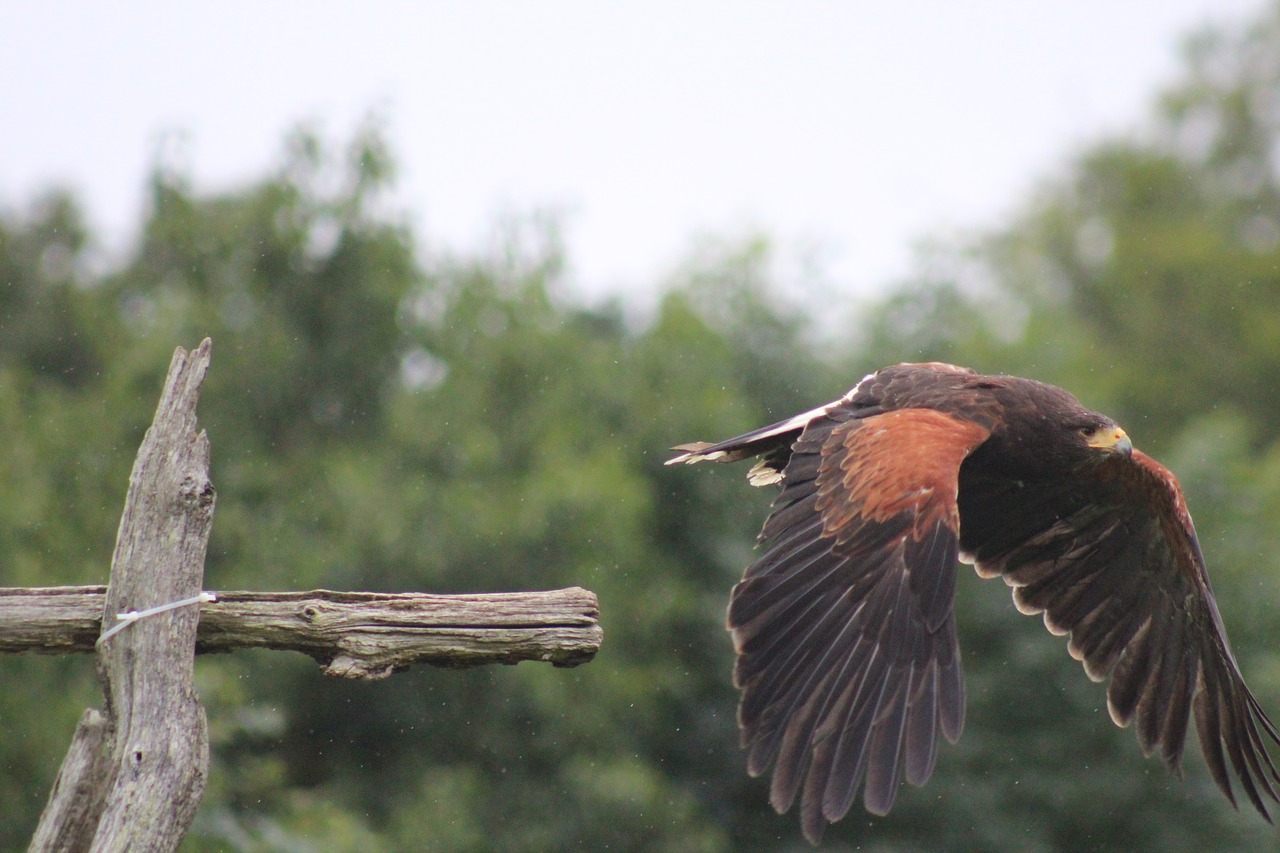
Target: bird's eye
(1089,433)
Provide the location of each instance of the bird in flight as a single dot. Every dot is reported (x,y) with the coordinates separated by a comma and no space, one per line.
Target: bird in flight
(847,657)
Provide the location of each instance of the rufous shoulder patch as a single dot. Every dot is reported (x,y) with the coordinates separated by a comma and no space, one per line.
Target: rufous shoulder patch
(905,460)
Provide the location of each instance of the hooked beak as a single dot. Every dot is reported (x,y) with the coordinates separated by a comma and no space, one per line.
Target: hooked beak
(1113,439)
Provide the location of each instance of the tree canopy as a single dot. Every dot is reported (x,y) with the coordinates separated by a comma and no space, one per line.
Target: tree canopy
(389,419)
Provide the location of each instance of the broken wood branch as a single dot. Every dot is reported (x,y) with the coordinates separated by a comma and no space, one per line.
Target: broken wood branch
(351,634)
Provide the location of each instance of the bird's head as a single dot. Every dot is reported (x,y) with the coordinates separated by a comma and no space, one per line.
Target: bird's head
(1047,430)
(1105,436)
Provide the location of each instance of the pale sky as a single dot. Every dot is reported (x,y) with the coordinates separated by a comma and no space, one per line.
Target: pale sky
(856,127)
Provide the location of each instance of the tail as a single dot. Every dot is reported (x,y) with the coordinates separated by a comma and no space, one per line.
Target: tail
(772,442)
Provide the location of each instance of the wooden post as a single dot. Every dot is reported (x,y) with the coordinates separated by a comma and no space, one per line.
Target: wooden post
(134,776)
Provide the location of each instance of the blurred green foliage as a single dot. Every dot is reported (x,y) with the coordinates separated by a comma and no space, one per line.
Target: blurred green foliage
(386,420)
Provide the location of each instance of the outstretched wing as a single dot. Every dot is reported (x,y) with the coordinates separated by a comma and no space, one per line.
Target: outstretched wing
(846,640)
(1114,562)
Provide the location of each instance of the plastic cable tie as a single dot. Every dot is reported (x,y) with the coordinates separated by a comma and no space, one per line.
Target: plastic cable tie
(127,619)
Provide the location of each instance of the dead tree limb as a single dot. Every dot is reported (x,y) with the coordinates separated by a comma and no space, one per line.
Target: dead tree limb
(134,775)
(351,634)
(71,816)
(139,787)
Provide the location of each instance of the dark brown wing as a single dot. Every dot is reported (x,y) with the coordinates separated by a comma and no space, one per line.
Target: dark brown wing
(1111,558)
(846,640)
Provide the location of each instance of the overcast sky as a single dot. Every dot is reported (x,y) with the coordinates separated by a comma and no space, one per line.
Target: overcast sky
(856,127)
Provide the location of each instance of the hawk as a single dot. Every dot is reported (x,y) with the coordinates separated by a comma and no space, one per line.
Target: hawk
(844,629)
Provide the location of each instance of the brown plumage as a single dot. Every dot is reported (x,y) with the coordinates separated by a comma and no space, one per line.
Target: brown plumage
(848,661)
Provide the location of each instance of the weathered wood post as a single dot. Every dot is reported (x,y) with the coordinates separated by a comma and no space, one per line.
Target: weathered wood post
(134,775)
(135,772)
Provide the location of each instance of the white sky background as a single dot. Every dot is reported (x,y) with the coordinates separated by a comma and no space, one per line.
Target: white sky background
(855,127)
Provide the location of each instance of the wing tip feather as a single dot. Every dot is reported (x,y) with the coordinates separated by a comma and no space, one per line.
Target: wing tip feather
(692,452)
(1120,719)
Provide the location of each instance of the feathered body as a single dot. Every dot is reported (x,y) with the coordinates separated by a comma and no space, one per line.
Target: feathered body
(848,659)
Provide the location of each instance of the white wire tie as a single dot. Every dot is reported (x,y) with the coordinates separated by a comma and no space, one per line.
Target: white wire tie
(127,619)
